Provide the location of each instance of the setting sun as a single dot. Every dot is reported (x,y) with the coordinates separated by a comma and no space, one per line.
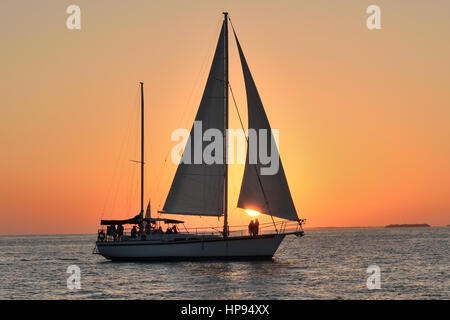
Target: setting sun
(252,213)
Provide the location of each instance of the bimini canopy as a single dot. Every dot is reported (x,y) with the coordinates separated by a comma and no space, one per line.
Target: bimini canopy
(136,220)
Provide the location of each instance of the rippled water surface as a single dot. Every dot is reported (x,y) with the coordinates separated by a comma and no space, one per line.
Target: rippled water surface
(324,264)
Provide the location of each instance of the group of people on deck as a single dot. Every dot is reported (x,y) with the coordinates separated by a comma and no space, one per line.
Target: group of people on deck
(116,233)
(148,229)
(253,228)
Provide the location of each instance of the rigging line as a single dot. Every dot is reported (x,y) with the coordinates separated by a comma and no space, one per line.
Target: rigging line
(116,169)
(159,180)
(134,191)
(148,136)
(256,169)
(132,187)
(122,161)
(131,192)
(237,109)
(240,120)
(232,27)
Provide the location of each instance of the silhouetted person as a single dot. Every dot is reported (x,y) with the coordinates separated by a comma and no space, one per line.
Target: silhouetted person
(133,232)
(119,231)
(114,232)
(251,227)
(160,230)
(174,228)
(168,230)
(256,226)
(147,228)
(109,231)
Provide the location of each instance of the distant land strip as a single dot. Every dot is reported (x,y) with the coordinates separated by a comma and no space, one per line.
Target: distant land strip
(407,225)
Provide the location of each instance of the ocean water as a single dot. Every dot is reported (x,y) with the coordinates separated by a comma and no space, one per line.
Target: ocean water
(324,264)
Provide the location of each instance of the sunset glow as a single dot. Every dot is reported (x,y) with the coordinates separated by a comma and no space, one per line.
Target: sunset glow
(363,116)
(252,213)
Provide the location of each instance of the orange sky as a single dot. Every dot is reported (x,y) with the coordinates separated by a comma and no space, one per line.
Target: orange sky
(363,115)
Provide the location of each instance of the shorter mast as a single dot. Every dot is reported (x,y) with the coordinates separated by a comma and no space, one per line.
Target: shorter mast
(225,149)
(142,150)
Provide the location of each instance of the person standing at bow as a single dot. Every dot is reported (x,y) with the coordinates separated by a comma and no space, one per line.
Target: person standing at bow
(251,228)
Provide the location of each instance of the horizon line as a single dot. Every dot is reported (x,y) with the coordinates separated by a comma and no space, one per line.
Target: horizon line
(305,228)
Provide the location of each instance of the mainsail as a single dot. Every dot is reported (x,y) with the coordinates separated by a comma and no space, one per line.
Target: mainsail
(267,194)
(198,189)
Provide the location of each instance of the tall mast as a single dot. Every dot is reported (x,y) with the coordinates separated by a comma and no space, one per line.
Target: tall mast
(142,149)
(225,149)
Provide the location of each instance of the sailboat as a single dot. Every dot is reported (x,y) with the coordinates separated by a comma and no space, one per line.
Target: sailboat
(200,189)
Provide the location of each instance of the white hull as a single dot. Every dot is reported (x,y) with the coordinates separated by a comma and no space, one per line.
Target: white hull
(260,247)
